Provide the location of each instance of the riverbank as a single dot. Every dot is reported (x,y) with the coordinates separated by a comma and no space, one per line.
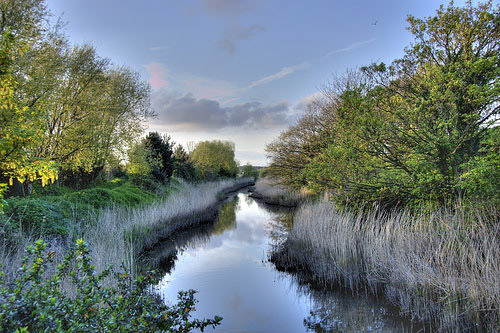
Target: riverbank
(441,268)
(118,234)
(273,194)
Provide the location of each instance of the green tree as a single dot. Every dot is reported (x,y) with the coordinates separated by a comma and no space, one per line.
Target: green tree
(183,167)
(249,171)
(161,148)
(215,159)
(410,131)
(20,126)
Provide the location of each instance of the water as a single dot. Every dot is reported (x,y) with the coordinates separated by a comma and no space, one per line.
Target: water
(227,263)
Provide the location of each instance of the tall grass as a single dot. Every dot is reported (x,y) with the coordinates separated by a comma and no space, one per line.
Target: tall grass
(275,194)
(441,267)
(118,234)
(121,234)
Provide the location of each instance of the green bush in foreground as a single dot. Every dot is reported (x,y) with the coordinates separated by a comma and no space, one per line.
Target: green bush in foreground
(33,303)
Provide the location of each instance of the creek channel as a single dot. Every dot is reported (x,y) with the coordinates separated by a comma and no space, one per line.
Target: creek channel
(227,262)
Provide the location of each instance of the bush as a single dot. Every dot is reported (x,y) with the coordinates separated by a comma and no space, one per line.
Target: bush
(35,215)
(32,303)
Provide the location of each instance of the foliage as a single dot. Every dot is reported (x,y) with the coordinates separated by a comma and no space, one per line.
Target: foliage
(53,209)
(35,216)
(161,149)
(20,126)
(62,103)
(141,164)
(183,167)
(215,159)
(409,133)
(35,303)
(249,171)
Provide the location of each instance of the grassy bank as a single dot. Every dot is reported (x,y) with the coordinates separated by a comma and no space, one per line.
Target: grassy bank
(116,234)
(271,193)
(441,267)
(54,210)
(96,282)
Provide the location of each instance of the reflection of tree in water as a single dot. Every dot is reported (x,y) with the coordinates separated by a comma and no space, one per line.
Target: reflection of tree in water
(278,228)
(164,255)
(226,219)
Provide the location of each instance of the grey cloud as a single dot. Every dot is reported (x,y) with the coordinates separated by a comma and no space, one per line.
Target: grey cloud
(236,33)
(228,7)
(188,113)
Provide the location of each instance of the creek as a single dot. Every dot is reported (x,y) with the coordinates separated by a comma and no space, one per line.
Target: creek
(227,262)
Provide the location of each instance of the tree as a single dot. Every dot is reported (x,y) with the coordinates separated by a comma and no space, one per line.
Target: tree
(161,150)
(249,171)
(183,167)
(215,159)
(141,165)
(91,109)
(409,131)
(20,126)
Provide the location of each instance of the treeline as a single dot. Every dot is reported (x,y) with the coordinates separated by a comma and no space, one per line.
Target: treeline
(70,115)
(66,111)
(156,158)
(421,130)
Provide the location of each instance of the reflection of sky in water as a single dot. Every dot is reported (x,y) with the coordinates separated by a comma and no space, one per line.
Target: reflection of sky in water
(234,280)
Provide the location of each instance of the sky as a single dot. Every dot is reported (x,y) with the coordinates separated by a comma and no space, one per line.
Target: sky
(239,70)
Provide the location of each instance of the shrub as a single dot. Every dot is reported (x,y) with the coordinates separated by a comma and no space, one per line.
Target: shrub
(34,215)
(34,303)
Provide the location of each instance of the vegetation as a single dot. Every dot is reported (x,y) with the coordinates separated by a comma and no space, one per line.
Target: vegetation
(274,194)
(440,267)
(215,159)
(72,120)
(409,155)
(249,171)
(416,132)
(33,302)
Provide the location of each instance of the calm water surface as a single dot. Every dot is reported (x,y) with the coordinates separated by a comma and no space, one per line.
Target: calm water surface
(227,263)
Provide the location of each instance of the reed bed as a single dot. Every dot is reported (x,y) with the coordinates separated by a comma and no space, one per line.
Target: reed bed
(117,235)
(442,267)
(272,193)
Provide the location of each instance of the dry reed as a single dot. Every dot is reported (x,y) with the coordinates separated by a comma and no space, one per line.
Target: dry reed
(271,193)
(441,267)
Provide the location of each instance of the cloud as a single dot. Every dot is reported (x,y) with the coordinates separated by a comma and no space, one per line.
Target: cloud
(158,48)
(285,71)
(188,113)
(351,47)
(305,101)
(236,33)
(229,8)
(203,87)
(158,74)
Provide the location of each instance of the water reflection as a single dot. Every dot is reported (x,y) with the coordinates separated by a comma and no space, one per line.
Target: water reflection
(227,263)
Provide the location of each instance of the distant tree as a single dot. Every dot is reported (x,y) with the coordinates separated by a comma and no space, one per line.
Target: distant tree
(183,167)
(249,171)
(141,165)
(215,159)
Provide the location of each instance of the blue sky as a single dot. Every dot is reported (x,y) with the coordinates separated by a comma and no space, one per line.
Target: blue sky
(239,70)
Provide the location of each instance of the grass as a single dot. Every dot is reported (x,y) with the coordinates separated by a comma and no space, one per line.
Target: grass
(118,234)
(442,267)
(53,210)
(271,193)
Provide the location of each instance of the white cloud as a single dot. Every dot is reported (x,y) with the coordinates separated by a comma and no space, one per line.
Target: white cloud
(351,47)
(285,71)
